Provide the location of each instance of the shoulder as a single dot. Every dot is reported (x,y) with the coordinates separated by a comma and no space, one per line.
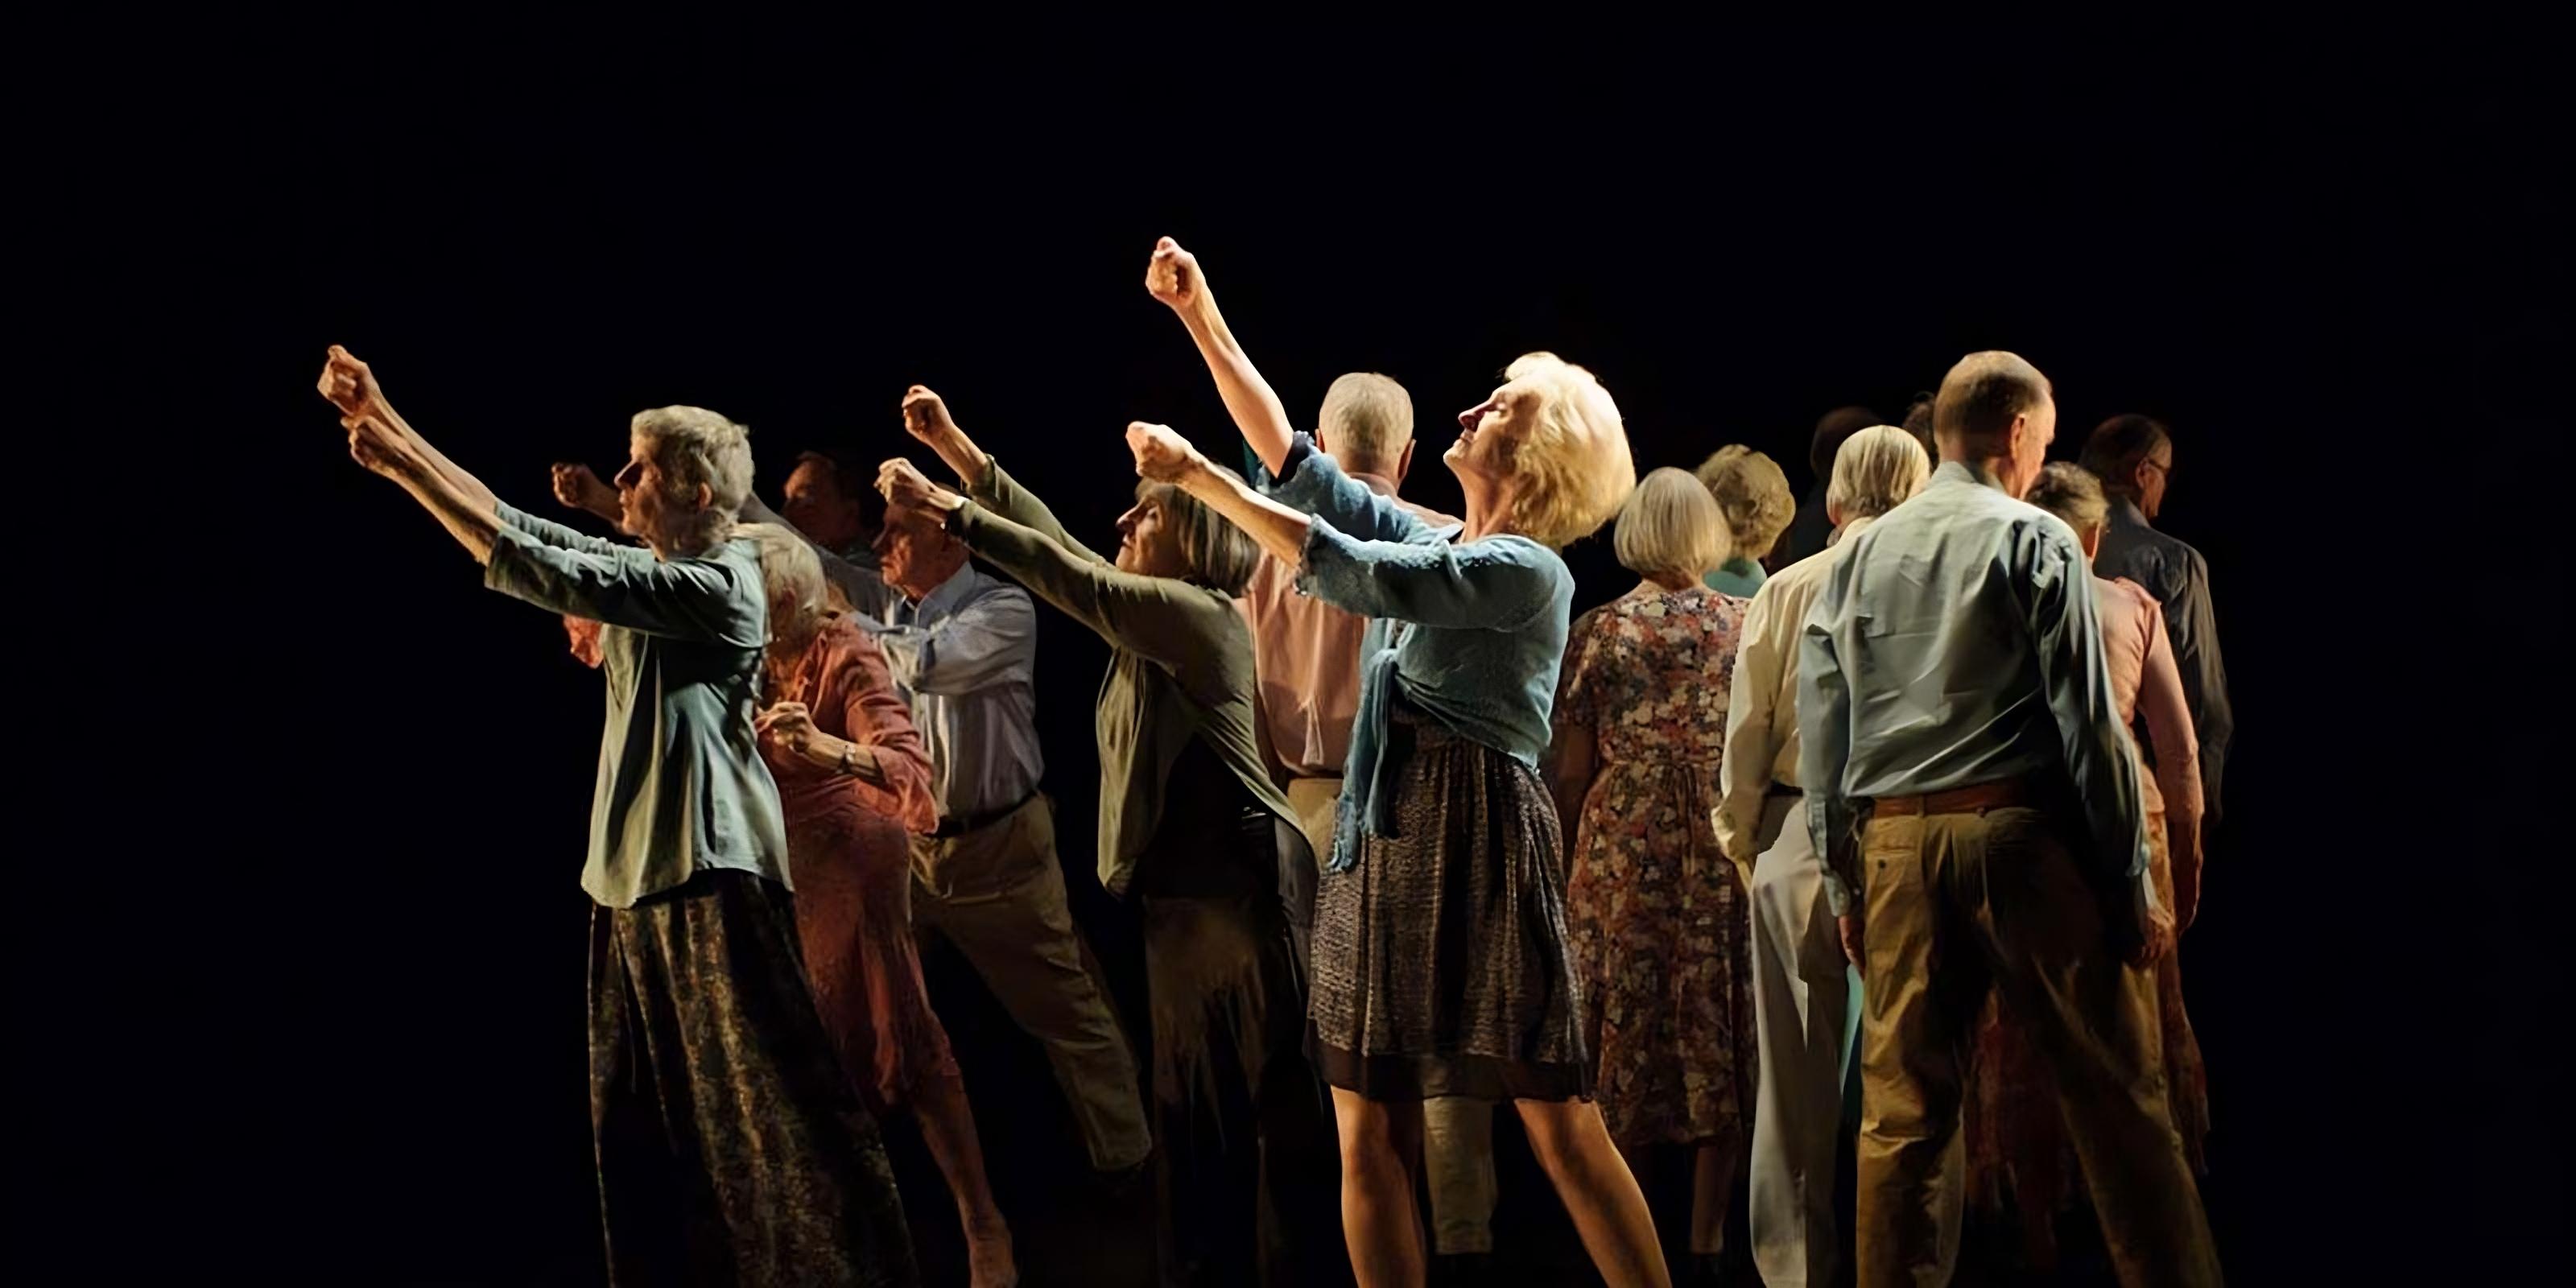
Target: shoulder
(2129,592)
(1426,514)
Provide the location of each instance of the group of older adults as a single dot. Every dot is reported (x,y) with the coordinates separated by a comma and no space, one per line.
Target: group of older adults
(1407,838)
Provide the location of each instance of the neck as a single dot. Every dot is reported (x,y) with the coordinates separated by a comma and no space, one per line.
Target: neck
(920,588)
(787,647)
(1664,582)
(1989,468)
(1489,510)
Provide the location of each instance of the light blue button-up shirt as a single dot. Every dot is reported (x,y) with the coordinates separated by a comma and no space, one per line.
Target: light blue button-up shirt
(1957,643)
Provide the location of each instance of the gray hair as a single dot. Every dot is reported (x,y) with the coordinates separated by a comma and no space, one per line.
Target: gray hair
(1753,494)
(1670,524)
(1367,420)
(692,446)
(1875,471)
(1217,552)
(2070,492)
(791,578)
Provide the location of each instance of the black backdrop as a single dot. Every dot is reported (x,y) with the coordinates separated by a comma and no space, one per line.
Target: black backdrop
(361,1059)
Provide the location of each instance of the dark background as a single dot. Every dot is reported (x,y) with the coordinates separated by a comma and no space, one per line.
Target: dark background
(342,1031)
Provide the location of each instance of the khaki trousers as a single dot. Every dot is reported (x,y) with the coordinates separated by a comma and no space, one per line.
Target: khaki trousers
(1957,903)
(1800,1001)
(998,895)
(1457,1133)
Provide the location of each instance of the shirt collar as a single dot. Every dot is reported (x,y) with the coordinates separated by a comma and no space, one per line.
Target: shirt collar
(2126,509)
(1960,472)
(947,593)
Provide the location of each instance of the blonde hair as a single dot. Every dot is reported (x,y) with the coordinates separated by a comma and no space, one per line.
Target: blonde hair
(791,579)
(1876,470)
(1670,525)
(1217,552)
(1752,493)
(692,446)
(1367,420)
(2071,493)
(1574,467)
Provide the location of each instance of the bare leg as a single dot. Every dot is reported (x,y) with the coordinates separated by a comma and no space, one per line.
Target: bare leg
(1715,1168)
(1380,1140)
(948,1129)
(1598,1190)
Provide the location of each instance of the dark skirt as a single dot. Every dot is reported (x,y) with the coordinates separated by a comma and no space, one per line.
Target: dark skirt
(1441,966)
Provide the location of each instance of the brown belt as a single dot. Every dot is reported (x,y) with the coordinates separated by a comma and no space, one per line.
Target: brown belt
(2006,794)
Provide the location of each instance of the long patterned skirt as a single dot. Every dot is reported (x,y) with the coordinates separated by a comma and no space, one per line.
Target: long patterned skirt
(731,1150)
(2019,1159)
(1441,966)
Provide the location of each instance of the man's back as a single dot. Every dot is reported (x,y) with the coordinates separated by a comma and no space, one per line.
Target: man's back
(2178,578)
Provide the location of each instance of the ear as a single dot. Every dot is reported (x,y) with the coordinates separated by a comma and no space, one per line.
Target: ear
(2092,539)
(706,497)
(1404,461)
(1321,445)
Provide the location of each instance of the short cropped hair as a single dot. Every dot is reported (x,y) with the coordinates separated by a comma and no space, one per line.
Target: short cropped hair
(1218,553)
(1753,495)
(791,578)
(1574,467)
(1981,396)
(694,446)
(2070,492)
(2114,448)
(1918,422)
(1836,427)
(1367,419)
(1877,470)
(1670,525)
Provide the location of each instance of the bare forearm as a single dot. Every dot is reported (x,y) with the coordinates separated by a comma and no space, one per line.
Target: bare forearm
(464,484)
(1277,529)
(474,521)
(1255,407)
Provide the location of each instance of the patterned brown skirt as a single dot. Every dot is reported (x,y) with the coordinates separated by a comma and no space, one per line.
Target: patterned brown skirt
(1440,965)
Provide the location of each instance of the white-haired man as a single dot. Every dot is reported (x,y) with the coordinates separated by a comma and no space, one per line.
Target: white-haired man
(1307,655)
(1802,990)
(1952,676)
(730,1148)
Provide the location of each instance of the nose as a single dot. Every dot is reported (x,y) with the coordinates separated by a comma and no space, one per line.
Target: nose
(626,477)
(1467,419)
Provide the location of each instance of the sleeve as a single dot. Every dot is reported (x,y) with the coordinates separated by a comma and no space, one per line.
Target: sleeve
(1500,583)
(2168,715)
(2204,678)
(1576,703)
(991,640)
(1003,495)
(875,718)
(2066,635)
(548,532)
(1172,623)
(692,599)
(1313,482)
(1824,743)
(1744,766)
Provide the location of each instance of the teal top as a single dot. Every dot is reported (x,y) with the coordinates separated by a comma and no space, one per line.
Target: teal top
(1465,633)
(681,783)
(1738,576)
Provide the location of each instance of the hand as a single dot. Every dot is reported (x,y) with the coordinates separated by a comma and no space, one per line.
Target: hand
(1161,454)
(904,485)
(578,486)
(374,445)
(1173,276)
(585,639)
(788,724)
(925,417)
(346,383)
(1848,926)
(2158,940)
(2186,879)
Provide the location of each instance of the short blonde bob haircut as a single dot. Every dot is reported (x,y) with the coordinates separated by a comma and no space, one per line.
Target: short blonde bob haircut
(1670,526)
(1877,470)
(1753,494)
(1574,467)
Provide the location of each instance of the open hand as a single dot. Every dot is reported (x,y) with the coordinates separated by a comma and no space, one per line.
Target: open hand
(1172,275)
(788,724)
(1161,454)
(579,486)
(902,484)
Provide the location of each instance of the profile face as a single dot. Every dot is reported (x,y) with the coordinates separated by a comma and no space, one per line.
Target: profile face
(644,505)
(814,504)
(1491,432)
(913,543)
(1148,544)
(2151,477)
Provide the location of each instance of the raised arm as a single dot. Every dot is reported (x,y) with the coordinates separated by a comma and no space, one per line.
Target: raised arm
(579,487)
(1166,457)
(350,385)
(1173,277)
(1166,620)
(925,416)
(469,512)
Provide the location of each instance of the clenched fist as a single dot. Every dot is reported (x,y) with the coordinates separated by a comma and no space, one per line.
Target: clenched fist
(925,417)
(379,448)
(1172,275)
(576,485)
(1161,454)
(903,485)
(347,383)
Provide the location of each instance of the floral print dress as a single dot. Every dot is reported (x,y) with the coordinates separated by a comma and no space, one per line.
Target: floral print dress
(1658,918)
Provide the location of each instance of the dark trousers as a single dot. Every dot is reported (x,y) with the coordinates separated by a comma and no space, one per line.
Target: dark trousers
(1960,902)
(731,1149)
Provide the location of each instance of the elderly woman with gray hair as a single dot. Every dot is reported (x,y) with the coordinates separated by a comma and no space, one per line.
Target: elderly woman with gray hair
(2018,1153)
(1805,995)
(1194,830)
(730,1149)
(1441,963)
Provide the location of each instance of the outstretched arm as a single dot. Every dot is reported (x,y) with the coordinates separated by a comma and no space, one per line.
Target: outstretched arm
(1173,277)
(1166,457)
(925,415)
(351,387)
(465,508)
